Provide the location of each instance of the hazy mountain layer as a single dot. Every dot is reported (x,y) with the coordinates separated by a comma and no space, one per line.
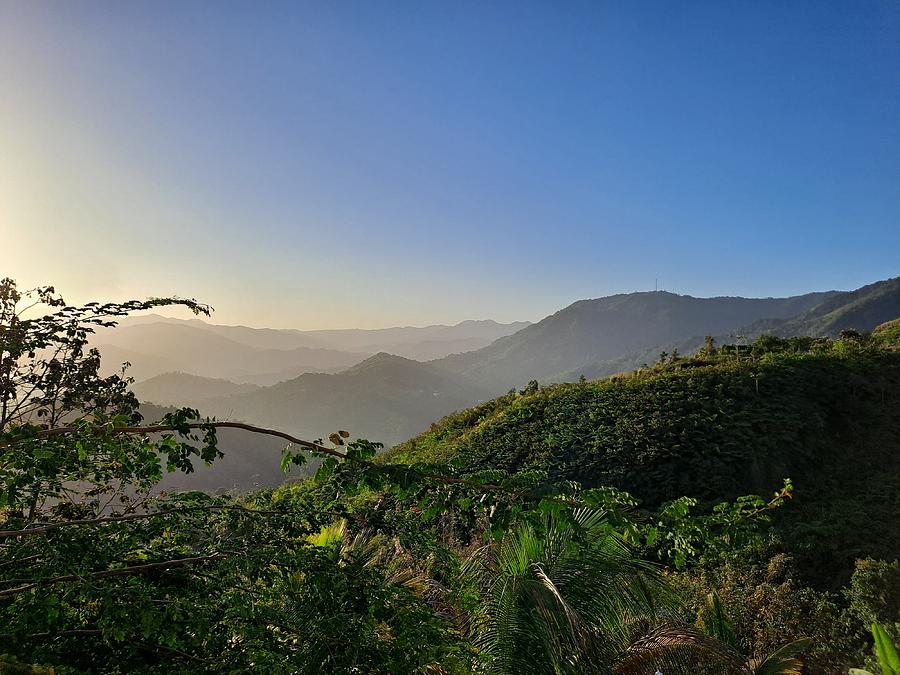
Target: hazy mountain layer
(421,344)
(182,389)
(385,398)
(156,345)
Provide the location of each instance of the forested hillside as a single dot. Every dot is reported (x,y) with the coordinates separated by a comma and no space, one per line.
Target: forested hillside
(591,331)
(715,425)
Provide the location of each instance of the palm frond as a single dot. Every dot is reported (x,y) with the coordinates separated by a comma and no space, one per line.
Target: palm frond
(560,598)
(328,535)
(679,649)
(888,658)
(713,620)
(783,661)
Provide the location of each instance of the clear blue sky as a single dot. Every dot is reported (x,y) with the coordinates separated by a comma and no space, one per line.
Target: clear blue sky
(379,163)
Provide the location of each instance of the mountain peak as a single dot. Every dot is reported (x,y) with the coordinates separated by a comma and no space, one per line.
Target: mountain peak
(381,360)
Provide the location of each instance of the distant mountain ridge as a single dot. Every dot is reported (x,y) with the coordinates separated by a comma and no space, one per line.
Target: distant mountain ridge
(155,348)
(421,344)
(156,345)
(184,389)
(862,309)
(591,331)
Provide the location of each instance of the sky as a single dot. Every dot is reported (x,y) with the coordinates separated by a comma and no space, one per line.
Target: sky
(368,164)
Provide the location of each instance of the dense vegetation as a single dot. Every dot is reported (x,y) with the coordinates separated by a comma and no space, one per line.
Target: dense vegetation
(592,527)
(717,424)
(721,423)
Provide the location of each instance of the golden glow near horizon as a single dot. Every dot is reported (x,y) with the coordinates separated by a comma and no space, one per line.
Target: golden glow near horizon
(97,213)
(293,167)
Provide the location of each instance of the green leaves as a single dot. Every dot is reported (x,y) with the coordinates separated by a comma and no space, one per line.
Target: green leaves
(326,469)
(885,651)
(291,458)
(713,620)
(559,595)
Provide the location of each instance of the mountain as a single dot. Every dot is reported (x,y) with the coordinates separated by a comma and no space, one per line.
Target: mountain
(157,347)
(862,309)
(183,389)
(715,426)
(589,332)
(421,344)
(385,398)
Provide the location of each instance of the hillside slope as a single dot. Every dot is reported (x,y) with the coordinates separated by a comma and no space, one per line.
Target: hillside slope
(385,398)
(825,414)
(183,389)
(603,329)
(862,309)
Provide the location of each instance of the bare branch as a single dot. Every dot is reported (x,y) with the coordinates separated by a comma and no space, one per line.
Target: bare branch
(162,428)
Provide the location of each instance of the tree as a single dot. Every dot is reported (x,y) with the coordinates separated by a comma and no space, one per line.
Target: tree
(50,377)
(569,596)
(713,620)
(555,601)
